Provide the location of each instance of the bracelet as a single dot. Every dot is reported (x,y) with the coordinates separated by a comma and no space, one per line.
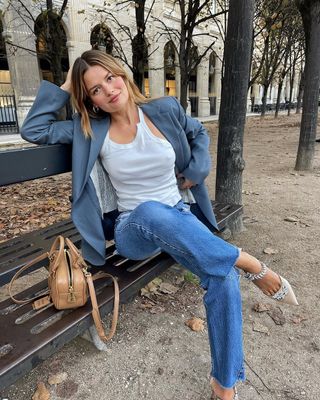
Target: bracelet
(252,277)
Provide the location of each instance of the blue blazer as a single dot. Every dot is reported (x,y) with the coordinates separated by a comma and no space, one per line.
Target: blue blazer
(187,136)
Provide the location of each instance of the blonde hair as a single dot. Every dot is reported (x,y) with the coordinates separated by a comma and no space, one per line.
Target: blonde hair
(80,97)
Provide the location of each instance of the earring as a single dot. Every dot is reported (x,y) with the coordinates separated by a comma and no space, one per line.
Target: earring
(95,109)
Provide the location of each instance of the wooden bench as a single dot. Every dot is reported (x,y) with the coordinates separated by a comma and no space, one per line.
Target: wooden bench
(29,336)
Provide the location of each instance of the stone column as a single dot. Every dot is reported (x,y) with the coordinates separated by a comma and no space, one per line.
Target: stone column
(188,110)
(156,70)
(249,102)
(256,93)
(202,88)
(79,29)
(23,64)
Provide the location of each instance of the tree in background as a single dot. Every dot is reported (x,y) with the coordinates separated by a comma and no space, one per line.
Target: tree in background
(230,163)
(137,39)
(266,19)
(293,53)
(48,30)
(310,12)
(276,51)
(193,14)
(220,19)
(271,44)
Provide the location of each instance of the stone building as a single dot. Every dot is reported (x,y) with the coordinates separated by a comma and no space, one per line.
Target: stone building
(23,65)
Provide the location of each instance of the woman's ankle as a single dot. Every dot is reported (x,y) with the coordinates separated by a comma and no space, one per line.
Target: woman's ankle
(222,393)
(248,263)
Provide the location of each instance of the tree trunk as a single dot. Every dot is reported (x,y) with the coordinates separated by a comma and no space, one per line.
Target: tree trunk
(264,100)
(54,43)
(184,78)
(139,53)
(230,163)
(280,85)
(300,94)
(291,89)
(184,92)
(138,60)
(183,60)
(310,11)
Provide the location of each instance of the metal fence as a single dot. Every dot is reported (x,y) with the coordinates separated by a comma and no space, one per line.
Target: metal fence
(8,114)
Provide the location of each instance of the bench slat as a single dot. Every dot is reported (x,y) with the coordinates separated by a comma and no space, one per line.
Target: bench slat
(31,245)
(28,163)
(18,251)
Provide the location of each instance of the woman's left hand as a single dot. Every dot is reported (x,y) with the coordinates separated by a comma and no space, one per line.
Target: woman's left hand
(185,183)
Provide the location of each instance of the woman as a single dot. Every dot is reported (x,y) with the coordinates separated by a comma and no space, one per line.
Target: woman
(127,154)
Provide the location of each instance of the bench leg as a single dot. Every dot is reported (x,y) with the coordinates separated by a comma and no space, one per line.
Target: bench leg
(91,335)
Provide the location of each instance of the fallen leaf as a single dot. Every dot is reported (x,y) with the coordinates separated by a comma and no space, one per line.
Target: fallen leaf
(67,390)
(42,393)
(297,319)
(157,310)
(305,224)
(167,288)
(261,307)
(144,306)
(276,314)
(196,324)
(179,280)
(151,288)
(57,378)
(270,250)
(291,219)
(258,327)
(145,293)
(156,281)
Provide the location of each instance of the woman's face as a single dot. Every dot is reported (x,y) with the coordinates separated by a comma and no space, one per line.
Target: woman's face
(106,91)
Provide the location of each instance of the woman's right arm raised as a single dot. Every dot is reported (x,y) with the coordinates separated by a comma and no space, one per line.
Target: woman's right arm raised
(41,125)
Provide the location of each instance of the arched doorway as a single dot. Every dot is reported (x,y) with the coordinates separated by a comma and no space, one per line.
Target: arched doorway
(169,63)
(5,79)
(51,47)
(101,38)
(8,115)
(212,85)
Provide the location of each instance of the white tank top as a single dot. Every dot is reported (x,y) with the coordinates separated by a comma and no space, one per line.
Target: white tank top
(141,170)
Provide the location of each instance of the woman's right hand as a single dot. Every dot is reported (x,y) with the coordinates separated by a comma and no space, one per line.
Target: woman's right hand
(67,84)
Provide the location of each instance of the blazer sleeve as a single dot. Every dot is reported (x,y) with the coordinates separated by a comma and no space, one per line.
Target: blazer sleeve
(200,162)
(41,125)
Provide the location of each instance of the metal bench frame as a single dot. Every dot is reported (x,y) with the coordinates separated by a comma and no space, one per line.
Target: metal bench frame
(28,337)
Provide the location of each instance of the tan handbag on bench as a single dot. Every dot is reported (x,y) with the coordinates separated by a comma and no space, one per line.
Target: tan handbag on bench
(68,282)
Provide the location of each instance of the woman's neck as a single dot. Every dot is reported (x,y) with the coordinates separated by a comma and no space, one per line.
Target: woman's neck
(127,116)
(123,127)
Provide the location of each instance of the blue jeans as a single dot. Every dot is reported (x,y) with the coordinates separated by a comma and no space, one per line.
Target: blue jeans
(153,226)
